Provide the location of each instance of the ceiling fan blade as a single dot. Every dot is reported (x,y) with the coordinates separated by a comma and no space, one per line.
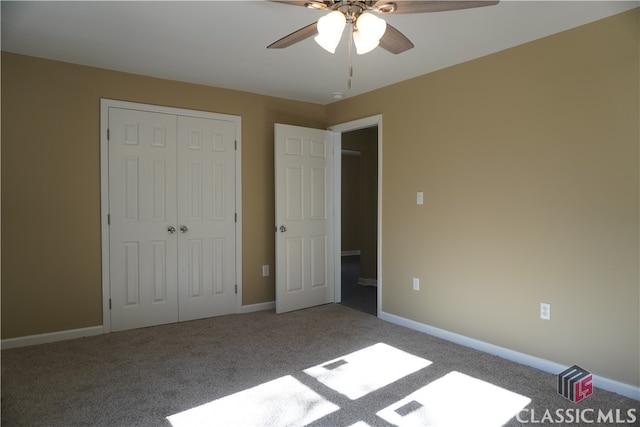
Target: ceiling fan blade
(295,37)
(394,41)
(312,4)
(411,6)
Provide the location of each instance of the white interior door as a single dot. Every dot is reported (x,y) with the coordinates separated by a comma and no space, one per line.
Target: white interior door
(142,200)
(304,217)
(206,223)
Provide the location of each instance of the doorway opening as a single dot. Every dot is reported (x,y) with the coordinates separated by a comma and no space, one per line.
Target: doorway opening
(359,219)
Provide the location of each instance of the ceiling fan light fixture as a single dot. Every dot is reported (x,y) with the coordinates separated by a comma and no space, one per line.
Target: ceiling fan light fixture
(330,29)
(328,43)
(370,26)
(363,44)
(356,13)
(368,31)
(317,5)
(385,8)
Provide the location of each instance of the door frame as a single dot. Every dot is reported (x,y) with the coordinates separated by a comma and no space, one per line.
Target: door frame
(105,104)
(338,130)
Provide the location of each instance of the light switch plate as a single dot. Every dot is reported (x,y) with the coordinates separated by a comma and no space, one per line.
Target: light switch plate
(420,198)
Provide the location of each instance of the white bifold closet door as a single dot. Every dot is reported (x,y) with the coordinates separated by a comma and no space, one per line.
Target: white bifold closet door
(172,218)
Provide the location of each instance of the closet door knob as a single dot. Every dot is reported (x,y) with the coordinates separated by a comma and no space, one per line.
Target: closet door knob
(171,229)
(184,229)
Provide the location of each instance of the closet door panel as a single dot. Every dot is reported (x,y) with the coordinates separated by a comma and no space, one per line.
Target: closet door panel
(142,207)
(206,217)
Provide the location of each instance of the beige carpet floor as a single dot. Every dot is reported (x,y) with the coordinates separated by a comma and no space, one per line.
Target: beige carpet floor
(325,366)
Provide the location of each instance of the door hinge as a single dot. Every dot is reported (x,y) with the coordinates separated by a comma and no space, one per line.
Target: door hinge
(108,219)
(236,289)
(109,303)
(235,145)
(108,135)
(235,217)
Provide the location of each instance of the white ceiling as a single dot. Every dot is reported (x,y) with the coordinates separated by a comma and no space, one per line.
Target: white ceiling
(223,43)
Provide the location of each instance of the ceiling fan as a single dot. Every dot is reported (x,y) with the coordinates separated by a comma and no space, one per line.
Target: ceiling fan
(368,30)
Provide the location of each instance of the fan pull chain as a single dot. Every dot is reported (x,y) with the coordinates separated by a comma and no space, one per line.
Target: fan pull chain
(350,56)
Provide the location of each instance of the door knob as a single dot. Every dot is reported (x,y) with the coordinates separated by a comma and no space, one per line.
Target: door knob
(283,228)
(171,229)
(184,229)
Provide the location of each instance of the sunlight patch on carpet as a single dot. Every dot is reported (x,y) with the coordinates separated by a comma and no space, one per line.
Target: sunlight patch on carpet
(456,400)
(361,372)
(283,401)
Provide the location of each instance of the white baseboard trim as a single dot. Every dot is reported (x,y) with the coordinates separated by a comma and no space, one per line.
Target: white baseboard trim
(257,307)
(367,282)
(29,340)
(627,390)
(50,337)
(350,253)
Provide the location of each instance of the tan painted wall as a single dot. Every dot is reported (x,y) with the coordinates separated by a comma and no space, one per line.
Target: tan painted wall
(51,255)
(350,199)
(528,160)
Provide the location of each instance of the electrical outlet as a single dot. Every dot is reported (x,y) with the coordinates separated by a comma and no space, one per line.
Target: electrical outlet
(265,271)
(545,311)
(416,284)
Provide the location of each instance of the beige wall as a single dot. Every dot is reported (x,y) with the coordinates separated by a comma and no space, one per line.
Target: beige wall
(350,200)
(51,254)
(528,160)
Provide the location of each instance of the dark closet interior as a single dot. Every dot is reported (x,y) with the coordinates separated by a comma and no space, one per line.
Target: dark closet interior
(359,218)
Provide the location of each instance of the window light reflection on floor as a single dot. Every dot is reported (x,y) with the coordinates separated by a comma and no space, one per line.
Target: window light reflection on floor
(361,372)
(359,424)
(283,401)
(456,400)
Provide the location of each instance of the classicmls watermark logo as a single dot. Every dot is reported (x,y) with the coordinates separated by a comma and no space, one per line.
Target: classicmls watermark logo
(575,383)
